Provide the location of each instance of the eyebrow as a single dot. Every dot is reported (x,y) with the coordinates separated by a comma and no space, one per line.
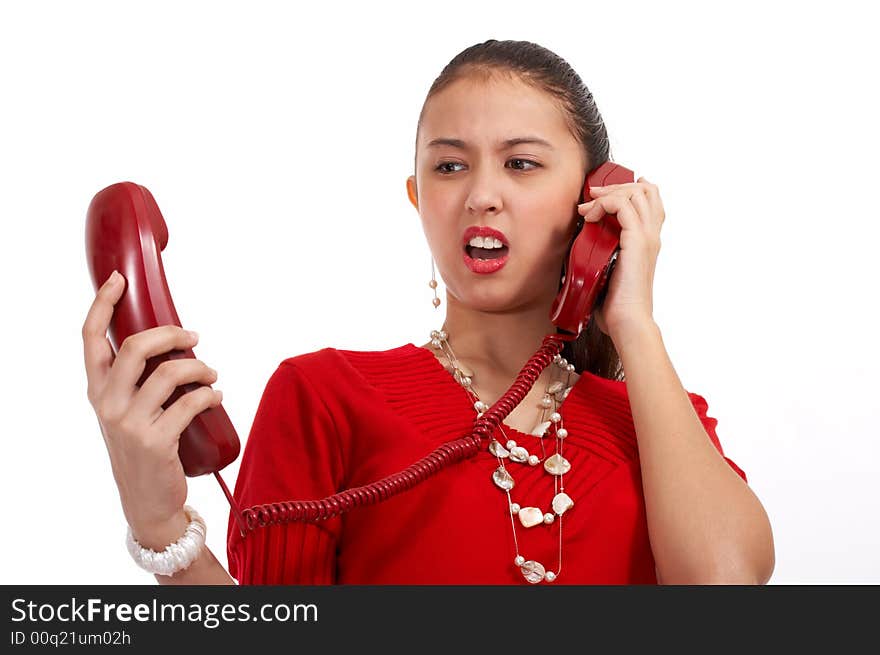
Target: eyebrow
(508,143)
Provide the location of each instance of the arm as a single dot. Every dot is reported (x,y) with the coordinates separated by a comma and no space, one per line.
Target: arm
(205,570)
(705,524)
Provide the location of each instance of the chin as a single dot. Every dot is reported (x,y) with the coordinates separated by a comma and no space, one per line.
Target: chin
(498,300)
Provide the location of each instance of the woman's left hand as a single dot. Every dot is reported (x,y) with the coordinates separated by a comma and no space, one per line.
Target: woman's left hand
(639,210)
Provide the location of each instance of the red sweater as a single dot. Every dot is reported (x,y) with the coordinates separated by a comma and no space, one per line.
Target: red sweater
(335,419)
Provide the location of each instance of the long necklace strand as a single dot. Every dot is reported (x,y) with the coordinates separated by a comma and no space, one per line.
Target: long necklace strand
(556,465)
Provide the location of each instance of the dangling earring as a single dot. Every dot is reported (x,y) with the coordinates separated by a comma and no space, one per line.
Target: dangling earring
(433,285)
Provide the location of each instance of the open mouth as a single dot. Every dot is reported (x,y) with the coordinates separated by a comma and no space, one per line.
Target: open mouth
(484,249)
(486,253)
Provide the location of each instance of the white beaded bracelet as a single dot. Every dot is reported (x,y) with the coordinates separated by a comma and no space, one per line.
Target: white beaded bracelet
(176,556)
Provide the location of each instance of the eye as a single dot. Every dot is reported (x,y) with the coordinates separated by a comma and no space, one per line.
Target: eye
(526,161)
(440,167)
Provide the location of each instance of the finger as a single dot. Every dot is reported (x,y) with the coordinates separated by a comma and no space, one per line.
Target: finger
(131,360)
(596,191)
(626,188)
(646,215)
(97,349)
(654,200)
(148,401)
(175,419)
(614,204)
(583,208)
(596,209)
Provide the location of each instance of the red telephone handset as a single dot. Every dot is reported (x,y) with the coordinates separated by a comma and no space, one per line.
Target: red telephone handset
(126,231)
(591,258)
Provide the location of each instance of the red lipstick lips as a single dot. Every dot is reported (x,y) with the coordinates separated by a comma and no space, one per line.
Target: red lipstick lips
(482,231)
(483,266)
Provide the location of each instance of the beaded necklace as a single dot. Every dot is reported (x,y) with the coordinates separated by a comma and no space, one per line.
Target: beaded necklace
(555,465)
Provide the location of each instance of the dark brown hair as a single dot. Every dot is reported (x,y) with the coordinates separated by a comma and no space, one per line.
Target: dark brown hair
(546,71)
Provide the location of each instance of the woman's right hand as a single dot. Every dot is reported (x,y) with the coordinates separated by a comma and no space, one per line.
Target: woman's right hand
(142,437)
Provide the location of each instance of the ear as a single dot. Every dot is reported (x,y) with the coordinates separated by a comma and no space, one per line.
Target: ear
(412,191)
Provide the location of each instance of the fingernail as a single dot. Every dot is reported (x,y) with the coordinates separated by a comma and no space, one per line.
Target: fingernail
(114,278)
(596,188)
(192,335)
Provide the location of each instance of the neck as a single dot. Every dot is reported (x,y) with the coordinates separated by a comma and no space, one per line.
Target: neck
(498,341)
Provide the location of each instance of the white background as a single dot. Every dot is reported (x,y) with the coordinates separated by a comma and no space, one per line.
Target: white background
(277,140)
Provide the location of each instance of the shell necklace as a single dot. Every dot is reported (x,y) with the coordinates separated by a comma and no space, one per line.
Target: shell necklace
(555,465)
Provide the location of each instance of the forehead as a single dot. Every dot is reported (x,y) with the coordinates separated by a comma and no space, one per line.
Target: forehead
(485,111)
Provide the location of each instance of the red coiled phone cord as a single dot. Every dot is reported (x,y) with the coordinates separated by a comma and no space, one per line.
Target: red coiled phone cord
(260,516)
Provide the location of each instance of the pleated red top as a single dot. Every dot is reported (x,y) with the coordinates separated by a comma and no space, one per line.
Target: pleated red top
(335,419)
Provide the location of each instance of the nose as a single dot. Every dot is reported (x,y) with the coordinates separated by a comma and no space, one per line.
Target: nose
(485,193)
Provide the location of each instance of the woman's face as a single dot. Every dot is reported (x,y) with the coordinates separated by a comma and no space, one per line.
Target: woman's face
(528,191)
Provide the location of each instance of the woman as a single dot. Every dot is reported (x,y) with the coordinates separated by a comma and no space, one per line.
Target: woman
(631,467)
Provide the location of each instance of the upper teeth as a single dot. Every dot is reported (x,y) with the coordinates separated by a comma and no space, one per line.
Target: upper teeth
(485,242)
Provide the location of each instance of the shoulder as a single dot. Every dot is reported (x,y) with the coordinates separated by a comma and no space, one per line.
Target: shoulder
(360,387)
(335,358)
(339,369)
